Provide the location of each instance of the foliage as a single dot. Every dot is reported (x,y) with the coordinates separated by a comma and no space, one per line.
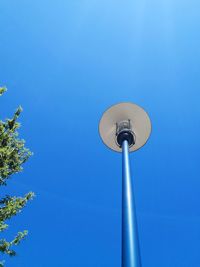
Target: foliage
(13,154)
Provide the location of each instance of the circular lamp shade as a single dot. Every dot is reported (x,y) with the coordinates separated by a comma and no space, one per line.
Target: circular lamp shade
(139,119)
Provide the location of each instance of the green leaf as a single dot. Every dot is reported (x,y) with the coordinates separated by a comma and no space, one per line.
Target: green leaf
(2,90)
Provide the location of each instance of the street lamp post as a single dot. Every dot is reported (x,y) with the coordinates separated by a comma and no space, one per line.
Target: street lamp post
(126,127)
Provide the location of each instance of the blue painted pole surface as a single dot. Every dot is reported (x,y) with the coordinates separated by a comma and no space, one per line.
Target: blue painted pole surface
(130,243)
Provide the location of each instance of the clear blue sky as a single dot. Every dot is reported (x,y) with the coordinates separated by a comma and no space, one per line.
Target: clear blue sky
(65,62)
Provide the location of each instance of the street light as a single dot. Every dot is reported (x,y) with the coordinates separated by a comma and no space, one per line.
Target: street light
(125,128)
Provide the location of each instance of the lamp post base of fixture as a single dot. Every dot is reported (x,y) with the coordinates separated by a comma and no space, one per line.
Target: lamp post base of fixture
(130,242)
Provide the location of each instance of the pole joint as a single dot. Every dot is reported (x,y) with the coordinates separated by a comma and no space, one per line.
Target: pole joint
(124,132)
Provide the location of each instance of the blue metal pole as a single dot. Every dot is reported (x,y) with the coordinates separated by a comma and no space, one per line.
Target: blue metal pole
(130,243)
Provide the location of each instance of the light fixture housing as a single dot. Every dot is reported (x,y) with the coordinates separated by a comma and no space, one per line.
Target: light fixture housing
(128,118)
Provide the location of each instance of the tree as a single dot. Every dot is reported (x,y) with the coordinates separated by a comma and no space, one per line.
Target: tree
(13,154)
